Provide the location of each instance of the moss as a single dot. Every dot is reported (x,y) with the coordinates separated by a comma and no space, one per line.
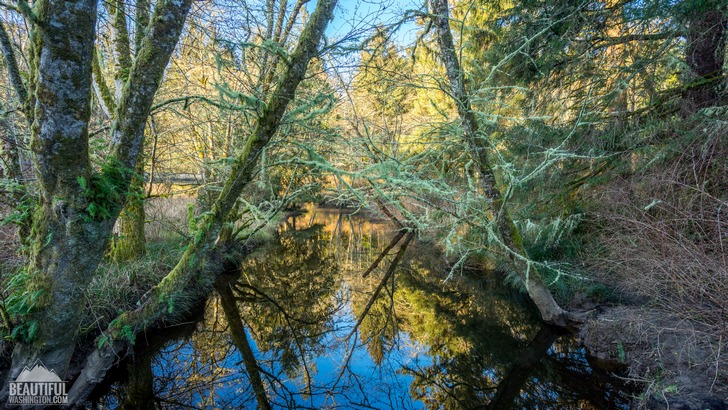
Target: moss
(118,286)
(131,242)
(104,91)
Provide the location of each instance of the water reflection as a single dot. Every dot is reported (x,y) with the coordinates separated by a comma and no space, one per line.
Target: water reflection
(290,331)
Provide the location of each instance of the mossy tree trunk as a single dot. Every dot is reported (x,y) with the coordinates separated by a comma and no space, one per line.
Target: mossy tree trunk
(204,249)
(131,241)
(9,153)
(505,229)
(78,207)
(9,156)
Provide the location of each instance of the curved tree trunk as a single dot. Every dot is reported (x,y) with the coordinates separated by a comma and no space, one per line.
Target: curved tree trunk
(507,231)
(203,251)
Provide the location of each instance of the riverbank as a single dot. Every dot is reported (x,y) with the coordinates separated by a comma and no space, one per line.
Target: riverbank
(680,364)
(677,363)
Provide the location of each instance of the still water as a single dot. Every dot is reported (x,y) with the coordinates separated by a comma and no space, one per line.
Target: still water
(299,327)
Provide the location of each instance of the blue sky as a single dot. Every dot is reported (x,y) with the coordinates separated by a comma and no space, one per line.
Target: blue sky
(361,15)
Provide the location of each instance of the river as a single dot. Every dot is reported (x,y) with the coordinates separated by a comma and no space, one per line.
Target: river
(289,331)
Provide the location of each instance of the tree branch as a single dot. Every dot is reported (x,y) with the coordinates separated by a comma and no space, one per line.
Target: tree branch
(13,72)
(154,303)
(144,78)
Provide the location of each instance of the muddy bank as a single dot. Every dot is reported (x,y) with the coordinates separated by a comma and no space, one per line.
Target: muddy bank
(680,364)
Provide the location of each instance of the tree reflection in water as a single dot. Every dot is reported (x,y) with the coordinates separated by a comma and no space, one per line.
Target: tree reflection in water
(289,331)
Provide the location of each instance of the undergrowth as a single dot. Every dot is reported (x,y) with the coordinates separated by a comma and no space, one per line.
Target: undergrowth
(117,286)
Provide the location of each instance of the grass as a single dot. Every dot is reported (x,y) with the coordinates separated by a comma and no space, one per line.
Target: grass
(117,286)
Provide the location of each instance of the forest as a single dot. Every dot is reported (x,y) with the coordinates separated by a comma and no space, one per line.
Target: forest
(530,197)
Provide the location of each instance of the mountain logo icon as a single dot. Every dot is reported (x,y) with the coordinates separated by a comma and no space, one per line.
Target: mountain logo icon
(39,373)
(36,385)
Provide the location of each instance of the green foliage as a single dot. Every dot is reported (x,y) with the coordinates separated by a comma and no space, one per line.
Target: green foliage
(620,352)
(107,190)
(103,340)
(377,78)
(127,332)
(27,293)
(24,332)
(23,208)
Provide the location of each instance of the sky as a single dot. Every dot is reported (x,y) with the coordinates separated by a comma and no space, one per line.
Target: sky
(358,16)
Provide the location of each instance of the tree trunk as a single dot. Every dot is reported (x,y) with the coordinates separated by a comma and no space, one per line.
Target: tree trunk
(132,241)
(704,55)
(240,339)
(120,49)
(77,210)
(9,157)
(203,251)
(512,384)
(140,386)
(505,229)
(14,73)
(65,251)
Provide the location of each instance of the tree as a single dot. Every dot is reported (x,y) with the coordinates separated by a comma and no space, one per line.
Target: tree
(205,252)
(79,205)
(77,208)
(9,156)
(705,52)
(131,241)
(505,229)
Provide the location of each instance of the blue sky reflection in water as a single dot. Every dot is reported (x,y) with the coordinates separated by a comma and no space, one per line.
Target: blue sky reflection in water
(424,343)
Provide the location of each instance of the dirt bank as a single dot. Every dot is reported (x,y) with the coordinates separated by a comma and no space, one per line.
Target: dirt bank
(681,364)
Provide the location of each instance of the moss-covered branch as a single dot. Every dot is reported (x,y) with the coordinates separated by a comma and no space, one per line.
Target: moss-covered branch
(505,231)
(106,100)
(160,300)
(12,66)
(120,45)
(144,78)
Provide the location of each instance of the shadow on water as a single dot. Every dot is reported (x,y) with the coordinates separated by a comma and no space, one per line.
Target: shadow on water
(289,331)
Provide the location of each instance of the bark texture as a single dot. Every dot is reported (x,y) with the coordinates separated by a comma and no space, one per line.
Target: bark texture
(131,241)
(203,249)
(121,48)
(704,55)
(9,153)
(68,239)
(65,251)
(13,71)
(550,311)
